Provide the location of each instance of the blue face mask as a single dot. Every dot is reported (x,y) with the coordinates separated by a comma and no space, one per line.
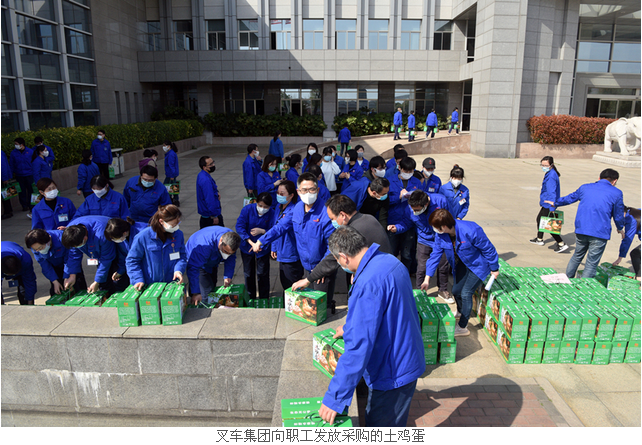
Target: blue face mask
(383,198)
(272,168)
(146,184)
(336,225)
(327,158)
(281,199)
(345,269)
(546,169)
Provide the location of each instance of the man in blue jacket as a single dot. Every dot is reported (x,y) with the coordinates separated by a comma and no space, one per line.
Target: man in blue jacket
(20,161)
(101,152)
(431,123)
(52,256)
(599,202)
(411,126)
(382,334)
(432,182)
(17,268)
(86,235)
(251,169)
(144,194)
(206,249)
(344,139)
(392,162)
(7,175)
(207,195)
(397,122)
(454,121)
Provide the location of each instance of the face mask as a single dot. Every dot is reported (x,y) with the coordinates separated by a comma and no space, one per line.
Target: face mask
(45,153)
(336,225)
(165,148)
(437,231)
(419,212)
(345,269)
(51,194)
(256,153)
(100,193)
(82,245)
(360,154)
(18,147)
(45,251)
(170,229)
(383,198)
(311,152)
(427,173)
(146,184)
(380,173)
(212,169)
(262,211)
(272,168)
(118,241)
(100,138)
(546,169)
(327,158)
(456,182)
(224,255)
(406,176)
(281,199)
(309,198)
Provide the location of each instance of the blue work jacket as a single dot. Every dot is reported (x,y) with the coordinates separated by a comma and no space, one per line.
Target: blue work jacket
(97,247)
(171,164)
(101,151)
(458,199)
(357,191)
(411,121)
(391,164)
(382,334)
(630,229)
(397,209)
(85,175)
(143,203)
(208,198)
(550,189)
(324,193)
(599,202)
(56,257)
(20,161)
(148,260)
(398,118)
(432,184)
(292,175)
(251,169)
(249,219)
(454,117)
(9,248)
(122,249)
(51,158)
(42,217)
(473,248)
(344,136)
(111,205)
(356,172)
(425,233)
(40,168)
(281,235)
(276,148)
(202,253)
(364,164)
(265,183)
(431,120)
(312,230)
(7,174)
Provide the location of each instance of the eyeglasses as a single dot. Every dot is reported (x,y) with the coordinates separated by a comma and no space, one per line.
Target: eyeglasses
(310,190)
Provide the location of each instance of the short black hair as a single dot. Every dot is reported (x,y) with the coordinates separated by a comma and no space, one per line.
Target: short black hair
(265,198)
(314,170)
(293,160)
(377,162)
(308,176)
(609,174)
(202,162)
(251,148)
(38,139)
(116,228)
(341,203)
(73,236)
(149,170)
(37,236)
(378,184)
(11,265)
(418,198)
(352,155)
(400,154)
(20,141)
(397,147)
(407,164)
(148,153)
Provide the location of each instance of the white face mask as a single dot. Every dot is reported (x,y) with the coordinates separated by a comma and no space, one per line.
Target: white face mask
(427,173)
(100,193)
(437,231)
(170,229)
(262,211)
(456,182)
(309,198)
(311,152)
(45,251)
(45,153)
(224,255)
(419,212)
(405,176)
(165,148)
(256,153)
(380,173)
(100,137)
(51,194)
(118,241)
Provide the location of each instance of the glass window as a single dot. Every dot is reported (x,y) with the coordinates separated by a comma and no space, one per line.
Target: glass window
(613,91)
(346,35)
(378,34)
(36,33)
(8,94)
(629,52)
(443,35)
(592,67)
(301,102)
(152,37)
(43,95)
(78,43)
(410,33)
(75,16)
(596,31)
(280,34)
(625,68)
(362,98)
(7,68)
(312,34)
(248,34)
(216,34)
(593,51)
(41,8)
(83,97)
(81,71)
(5,26)
(82,118)
(244,98)
(9,122)
(183,36)
(627,33)
(39,120)
(39,64)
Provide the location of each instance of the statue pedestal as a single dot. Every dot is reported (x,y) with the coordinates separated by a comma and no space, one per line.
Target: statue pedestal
(617,159)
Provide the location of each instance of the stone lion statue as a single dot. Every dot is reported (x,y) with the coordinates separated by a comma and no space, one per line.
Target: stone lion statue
(623,132)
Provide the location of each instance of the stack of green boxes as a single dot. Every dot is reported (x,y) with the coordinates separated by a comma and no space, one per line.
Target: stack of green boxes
(60,299)
(128,308)
(301,413)
(231,296)
(437,329)
(172,304)
(582,322)
(149,304)
(266,303)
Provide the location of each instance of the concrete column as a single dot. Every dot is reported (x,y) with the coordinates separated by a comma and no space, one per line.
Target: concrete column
(264,25)
(199,27)
(329,15)
(329,109)
(386,97)
(297,24)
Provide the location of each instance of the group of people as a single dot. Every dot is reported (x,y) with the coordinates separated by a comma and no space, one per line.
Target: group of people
(432,124)
(328,217)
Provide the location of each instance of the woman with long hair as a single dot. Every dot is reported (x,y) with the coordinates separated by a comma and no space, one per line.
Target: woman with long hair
(550,192)
(87,170)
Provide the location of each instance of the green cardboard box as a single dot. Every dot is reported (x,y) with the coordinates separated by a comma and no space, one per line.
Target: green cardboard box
(538,324)
(534,351)
(317,422)
(307,305)
(300,408)
(232,296)
(605,325)
(636,329)
(551,352)
(584,352)
(572,325)
(555,323)
(429,325)
(276,302)
(567,351)
(431,352)
(172,303)
(92,300)
(602,353)
(491,327)
(258,303)
(632,352)
(514,322)
(326,351)
(618,350)
(60,298)
(512,350)
(149,303)
(589,324)
(447,322)
(447,351)
(128,308)
(623,326)
(77,299)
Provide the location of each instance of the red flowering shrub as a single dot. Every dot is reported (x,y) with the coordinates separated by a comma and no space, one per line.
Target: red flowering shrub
(564,129)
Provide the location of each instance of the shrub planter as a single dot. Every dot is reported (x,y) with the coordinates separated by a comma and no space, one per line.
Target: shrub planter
(561,151)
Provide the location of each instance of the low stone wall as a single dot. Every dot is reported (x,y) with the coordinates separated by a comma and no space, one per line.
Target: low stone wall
(454,144)
(67,178)
(561,151)
(264,141)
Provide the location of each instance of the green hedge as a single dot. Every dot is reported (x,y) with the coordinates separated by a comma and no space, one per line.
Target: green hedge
(361,124)
(69,142)
(565,129)
(240,125)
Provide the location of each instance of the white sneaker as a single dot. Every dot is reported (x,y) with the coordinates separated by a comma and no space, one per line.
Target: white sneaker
(457,314)
(29,215)
(446,296)
(461,332)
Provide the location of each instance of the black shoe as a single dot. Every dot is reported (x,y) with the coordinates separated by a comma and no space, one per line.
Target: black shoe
(25,209)
(333,307)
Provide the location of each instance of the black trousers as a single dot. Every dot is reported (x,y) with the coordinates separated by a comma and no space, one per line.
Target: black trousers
(540,235)
(254,266)
(7,208)
(327,286)
(290,273)
(635,260)
(25,191)
(443,270)
(208,222)
(104,170)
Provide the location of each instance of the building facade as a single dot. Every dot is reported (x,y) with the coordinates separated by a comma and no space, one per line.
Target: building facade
(75,62)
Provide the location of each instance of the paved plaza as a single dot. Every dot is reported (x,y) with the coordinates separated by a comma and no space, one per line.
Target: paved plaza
(504,195)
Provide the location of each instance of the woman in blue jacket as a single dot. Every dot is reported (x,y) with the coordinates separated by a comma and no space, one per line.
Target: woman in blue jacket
(86,171)
(53,211)
(122,232)
(171,167)
(456,193)
(294,161)
(104,201)
(631,228)
(276,147)
(269,178)
(363,162)
(312,149)
(550,192)
(352,171)
(40,167)
(466,241)
(254,221)
(158,252)
(281,236)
